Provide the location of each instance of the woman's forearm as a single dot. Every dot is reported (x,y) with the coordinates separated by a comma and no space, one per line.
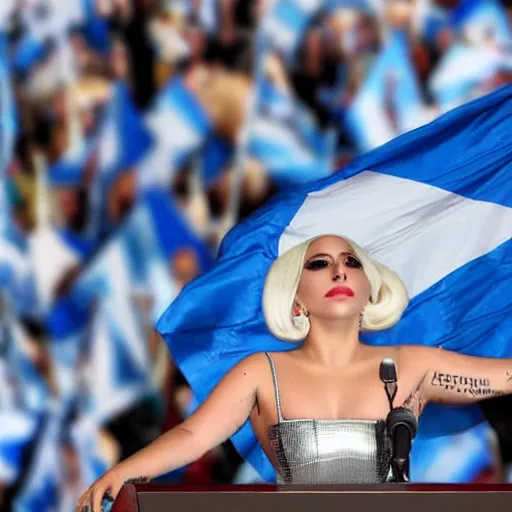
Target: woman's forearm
(172,450)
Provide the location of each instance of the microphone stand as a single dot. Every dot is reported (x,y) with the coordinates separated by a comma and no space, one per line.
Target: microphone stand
(401,424)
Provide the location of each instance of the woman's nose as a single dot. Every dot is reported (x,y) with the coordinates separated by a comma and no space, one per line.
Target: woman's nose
(339,275)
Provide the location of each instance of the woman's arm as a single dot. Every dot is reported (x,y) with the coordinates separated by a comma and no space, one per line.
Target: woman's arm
(448,377)
(219,417)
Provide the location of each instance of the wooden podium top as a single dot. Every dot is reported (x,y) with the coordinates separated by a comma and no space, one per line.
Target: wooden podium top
(439,497)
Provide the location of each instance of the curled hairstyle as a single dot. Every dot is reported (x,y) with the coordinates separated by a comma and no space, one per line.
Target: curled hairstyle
(388,295)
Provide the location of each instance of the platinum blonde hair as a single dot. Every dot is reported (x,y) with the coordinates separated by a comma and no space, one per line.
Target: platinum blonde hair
(388,294)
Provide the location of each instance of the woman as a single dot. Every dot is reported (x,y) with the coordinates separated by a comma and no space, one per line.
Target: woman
(326,392)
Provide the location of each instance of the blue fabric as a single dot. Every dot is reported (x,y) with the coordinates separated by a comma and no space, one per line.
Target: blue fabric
(453,459)
(217,320)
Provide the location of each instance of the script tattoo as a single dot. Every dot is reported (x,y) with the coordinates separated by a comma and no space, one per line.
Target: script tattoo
(509,375)
(138,480)
(471,386)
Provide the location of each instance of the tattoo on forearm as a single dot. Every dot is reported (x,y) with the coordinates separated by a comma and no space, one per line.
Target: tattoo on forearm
(416,400)
(470,386)
(509,375)
(138,480)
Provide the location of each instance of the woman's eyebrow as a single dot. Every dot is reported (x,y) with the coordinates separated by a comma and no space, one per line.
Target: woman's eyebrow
(344,253)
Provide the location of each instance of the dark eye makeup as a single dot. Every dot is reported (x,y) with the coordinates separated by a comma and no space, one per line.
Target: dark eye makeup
(319,264)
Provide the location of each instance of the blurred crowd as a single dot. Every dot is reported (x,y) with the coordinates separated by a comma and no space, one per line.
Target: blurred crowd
(134,134)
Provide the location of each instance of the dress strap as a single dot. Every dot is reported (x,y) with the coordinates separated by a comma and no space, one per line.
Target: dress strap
(276,387)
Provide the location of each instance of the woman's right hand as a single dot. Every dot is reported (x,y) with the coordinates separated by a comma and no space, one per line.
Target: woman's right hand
(109,484)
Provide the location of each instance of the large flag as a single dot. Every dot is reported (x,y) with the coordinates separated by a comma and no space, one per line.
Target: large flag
(435,205)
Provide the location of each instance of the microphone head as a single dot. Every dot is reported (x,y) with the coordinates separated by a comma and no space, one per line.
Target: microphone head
(387,371)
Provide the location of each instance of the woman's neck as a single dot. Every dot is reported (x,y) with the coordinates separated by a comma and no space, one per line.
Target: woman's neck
(333,344)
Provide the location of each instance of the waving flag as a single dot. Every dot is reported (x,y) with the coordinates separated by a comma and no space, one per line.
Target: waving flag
(180,126)
(462,69)
(435,205)
(17,278)
(124,138)
(482,19)
(389,101)
(284,138)
(30,388)
(41,484)
(68,170)
(286,22)
(120,145)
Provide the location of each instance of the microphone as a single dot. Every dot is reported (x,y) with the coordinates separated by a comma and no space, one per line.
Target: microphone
(387,373)
(401,424)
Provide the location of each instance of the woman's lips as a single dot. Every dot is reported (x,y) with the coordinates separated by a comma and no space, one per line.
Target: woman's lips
(340,291)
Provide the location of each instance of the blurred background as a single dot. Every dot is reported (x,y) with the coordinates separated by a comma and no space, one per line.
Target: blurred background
(133,135)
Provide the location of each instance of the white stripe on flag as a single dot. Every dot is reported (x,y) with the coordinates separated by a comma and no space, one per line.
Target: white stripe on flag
(424,231)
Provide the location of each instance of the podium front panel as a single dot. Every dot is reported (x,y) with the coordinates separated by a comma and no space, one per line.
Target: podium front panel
(268,498)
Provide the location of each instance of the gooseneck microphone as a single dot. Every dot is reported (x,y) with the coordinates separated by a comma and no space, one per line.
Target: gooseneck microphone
(401,424)
(387,373)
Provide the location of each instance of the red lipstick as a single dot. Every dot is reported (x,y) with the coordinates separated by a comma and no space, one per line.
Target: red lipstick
(344,291)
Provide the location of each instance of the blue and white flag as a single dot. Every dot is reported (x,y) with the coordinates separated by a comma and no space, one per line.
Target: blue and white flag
(285,139)
(122,142)
(42,483)
(180,126)
(285,23)
(482,20)
(124,138)
(463,69)
(17,282)
(68,170)
(31,391)
(435,205)
(389,101)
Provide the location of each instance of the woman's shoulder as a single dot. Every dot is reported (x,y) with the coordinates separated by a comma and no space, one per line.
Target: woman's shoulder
(259,360)
(418,356)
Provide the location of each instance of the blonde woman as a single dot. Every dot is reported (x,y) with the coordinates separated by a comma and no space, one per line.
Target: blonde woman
(318,410)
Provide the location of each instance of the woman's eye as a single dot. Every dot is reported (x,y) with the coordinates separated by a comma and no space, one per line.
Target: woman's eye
(353,262)
(317,265)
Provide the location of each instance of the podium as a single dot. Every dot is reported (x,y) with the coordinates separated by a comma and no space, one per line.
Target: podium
(339,498)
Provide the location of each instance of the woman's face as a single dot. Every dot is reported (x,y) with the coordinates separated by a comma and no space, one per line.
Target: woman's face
(333,285)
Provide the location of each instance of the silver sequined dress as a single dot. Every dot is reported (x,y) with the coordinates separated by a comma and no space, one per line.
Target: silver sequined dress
(328,451)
